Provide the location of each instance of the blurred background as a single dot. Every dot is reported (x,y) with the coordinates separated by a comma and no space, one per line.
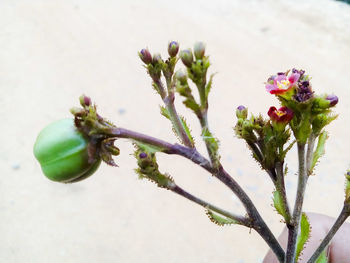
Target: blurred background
(53,51)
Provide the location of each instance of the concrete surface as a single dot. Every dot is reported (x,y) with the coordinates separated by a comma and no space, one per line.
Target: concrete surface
(53,51)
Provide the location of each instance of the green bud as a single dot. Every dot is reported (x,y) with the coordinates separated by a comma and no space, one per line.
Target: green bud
(199,50)
(241,112)
(186,57)
(181,76)
(157,59)
(62,152)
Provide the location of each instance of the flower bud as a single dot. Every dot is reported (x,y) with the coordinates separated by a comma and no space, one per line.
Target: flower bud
(145,56)
(199,50)
(173,48)
(181,76)
(62,152)
(85,100)
(241,112)
(157,59)
(186,57)
(333,100)
(143,155)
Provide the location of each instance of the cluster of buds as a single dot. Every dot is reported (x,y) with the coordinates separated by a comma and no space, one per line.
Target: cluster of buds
(148,168)
(265,138)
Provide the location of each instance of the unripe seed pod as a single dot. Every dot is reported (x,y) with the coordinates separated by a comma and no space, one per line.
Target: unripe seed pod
(62,152)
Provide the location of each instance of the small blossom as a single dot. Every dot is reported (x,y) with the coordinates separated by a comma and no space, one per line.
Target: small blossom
(282,83)
(282,115)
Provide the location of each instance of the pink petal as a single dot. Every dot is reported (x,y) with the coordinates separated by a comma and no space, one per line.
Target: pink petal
(294,78)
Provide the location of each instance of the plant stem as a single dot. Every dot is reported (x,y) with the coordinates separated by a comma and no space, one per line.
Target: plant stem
(192,154)
(174,117)
(293,228)
(258,223)
(344,214)
(240,219)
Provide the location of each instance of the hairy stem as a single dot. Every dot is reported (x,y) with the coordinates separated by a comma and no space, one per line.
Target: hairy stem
(293,228)
(344,214)
(240,219)
(175,119)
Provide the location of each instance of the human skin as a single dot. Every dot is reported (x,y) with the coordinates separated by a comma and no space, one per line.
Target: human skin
(338,250)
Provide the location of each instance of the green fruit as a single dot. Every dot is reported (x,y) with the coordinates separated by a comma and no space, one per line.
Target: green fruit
(62,152)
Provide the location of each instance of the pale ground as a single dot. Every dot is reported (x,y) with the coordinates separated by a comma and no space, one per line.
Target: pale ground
(53,51)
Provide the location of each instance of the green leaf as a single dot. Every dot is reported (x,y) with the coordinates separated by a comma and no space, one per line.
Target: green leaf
(212,145)
(347,186)
(219,220)
(323,257)
(148,147)
(279,204)
(304,235)
(187,129)
(208,86)
(164,111)
(192,105)
(320,150)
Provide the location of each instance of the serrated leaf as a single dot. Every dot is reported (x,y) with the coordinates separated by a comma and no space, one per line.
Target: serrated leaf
(164,111)
(212,145)
(279,204)
(209,85)
(347,186)
(288,149)
(304,235)
(192,105)
(187,130)
(323,257)
(219,220)
(148,147)
(320,150)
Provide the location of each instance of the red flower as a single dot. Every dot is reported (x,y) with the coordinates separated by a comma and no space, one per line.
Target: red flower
(281,83)
(282,115)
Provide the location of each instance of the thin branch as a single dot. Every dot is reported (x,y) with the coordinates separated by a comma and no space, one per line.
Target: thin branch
(344,214)
(240,219)
(293,228)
